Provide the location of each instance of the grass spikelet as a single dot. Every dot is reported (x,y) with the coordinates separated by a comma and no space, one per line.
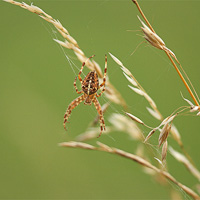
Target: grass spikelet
(149,135)
(135,118)
(64,44)
(194,109)
(121,64)
(116,60)
(104,147)
(136,90)
(91,133)
(164,133)
(155,40)
(125,70)
(97,68)
(164,151)
(181,158)
(37,10)
(154,113)
(151,36)
(133,82)
(122,123)
(77,145)
(9,1)
(175,133)
(150,100)
(168,119)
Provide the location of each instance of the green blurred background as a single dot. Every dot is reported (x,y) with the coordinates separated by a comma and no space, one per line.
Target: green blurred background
(36,84)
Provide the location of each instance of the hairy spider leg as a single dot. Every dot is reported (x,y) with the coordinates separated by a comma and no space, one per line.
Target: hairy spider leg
(104,79)
(78,92)
(71,106)
(99,110)
(79,75)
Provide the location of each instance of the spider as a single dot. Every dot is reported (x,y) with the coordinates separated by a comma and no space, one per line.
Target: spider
(90,86)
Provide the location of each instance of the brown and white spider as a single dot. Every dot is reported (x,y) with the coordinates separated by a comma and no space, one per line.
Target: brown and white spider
(90,86)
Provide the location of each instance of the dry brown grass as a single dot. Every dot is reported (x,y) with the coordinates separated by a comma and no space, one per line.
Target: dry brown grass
(135,158)
(128,124)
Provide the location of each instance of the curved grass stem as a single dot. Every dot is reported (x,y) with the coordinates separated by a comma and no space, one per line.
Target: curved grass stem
(133,157)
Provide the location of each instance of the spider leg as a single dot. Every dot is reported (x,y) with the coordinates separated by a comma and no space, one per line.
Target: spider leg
(99,110)
(78,92)
(105,71)
(79,74)
(98,95)
(71,106)
(104,78)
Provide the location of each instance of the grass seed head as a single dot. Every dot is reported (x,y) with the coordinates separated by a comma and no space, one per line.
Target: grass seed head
(164,151)
(71,39)
(135,118)
(181,158)
(123,123)
(133,82)
(37,9)
(175,134)
(150,100)
(152,37)
(168,119)
(9,1)
(98,69)
(150,134)
(194,108)
(154,113)
(104,147)
(77,144)
(164,133)
(124,69)
(136,90)
(116,59)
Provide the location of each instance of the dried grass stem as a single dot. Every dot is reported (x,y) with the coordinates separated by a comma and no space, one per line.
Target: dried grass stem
(182,78)
(135,158)
(169,52)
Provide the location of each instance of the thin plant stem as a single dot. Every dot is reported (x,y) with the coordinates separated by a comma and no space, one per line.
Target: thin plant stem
(135,158)
(141,12)
(179,73)
(176,68)
(182,78)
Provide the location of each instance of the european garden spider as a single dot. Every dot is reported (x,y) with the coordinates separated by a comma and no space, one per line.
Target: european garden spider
(90,86)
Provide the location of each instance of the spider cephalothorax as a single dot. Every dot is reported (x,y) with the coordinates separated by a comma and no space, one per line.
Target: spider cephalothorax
(90,86)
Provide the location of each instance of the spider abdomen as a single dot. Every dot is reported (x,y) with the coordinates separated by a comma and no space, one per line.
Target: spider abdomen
(90,84)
